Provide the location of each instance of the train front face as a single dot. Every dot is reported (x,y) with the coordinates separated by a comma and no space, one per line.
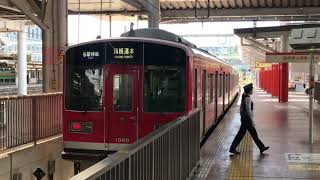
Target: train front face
(116,92)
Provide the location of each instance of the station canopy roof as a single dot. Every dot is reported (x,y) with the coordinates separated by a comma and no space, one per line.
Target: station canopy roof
(11,14)
(187,10)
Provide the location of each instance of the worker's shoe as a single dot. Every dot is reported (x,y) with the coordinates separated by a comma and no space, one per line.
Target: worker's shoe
(264,149)
(234,151)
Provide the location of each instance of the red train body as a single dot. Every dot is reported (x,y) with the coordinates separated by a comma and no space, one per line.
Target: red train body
(118,90)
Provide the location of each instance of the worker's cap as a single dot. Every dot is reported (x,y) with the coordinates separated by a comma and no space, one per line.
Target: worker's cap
(248,88)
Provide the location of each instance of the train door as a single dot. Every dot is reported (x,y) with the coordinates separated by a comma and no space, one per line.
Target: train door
(204,95)
(216,95)
(122,110)
(228,89)
(223,91)
(220,98)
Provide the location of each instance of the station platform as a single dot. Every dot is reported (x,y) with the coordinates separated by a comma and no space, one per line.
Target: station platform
(282,126)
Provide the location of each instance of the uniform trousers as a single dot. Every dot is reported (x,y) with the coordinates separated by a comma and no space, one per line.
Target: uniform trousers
(242,131)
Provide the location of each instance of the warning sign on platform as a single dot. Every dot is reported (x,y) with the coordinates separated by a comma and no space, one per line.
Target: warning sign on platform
(290,57)
(302,157)
(304,167)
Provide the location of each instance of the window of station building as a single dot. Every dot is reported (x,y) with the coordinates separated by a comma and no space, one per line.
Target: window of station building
(164,83)
(210,79)
(32,33)
(122,92)
(37,33)
(29,32)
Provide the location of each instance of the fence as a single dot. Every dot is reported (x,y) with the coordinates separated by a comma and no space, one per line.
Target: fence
(25,119)
(171,153)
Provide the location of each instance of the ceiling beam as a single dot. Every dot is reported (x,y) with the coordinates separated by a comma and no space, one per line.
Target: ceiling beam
(245,12)
(71,12)
(6,4)
(148,5)
(172,20)
(23,7)
(35,7)
(133,3)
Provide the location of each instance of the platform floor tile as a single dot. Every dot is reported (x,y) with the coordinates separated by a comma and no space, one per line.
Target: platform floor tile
(282,126)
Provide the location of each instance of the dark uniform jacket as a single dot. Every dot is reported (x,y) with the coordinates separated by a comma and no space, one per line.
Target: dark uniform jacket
(246,117)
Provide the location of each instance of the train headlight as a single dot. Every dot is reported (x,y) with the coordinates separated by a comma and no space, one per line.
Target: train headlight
(80,127)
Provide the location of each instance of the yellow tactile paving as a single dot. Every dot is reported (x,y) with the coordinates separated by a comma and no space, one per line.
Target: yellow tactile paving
(241,165)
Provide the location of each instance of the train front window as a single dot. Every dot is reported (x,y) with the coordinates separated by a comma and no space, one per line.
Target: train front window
(164,83)
(84,88)
(122,92)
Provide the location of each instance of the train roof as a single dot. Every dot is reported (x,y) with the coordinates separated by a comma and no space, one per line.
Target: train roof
(162,37)
(157,34)
(168,36)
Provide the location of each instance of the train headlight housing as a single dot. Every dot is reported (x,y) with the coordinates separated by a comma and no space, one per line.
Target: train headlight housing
(80,127)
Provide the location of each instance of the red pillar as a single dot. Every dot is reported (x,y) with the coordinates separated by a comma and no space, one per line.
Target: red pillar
(272,71)
(265,80)
(271,81)
(262,79)
(283,91)
(268,79)
(275,80)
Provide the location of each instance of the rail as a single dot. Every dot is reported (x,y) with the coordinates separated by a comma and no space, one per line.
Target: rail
(26,119)
(170,152)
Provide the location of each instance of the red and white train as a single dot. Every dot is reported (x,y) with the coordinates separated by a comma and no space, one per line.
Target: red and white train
(118,90)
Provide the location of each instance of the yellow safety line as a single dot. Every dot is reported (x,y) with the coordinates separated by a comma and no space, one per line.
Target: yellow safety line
(241,167)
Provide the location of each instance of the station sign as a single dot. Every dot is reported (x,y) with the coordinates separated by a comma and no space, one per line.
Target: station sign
(291,57)
(263,65)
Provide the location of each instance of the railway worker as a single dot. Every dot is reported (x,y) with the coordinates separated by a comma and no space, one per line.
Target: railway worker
(247,123)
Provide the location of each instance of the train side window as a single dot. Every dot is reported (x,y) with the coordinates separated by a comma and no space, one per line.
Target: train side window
(195,90)
(210,78)
(122,92)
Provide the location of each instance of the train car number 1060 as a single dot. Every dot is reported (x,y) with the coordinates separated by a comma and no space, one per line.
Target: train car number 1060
(121,140)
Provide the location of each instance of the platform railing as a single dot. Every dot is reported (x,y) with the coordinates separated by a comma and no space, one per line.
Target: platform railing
(171,152)
(26,119)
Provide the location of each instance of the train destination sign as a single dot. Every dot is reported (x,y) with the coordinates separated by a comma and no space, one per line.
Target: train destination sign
(125,53)
(290,57)
(90,57)
(90,54)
